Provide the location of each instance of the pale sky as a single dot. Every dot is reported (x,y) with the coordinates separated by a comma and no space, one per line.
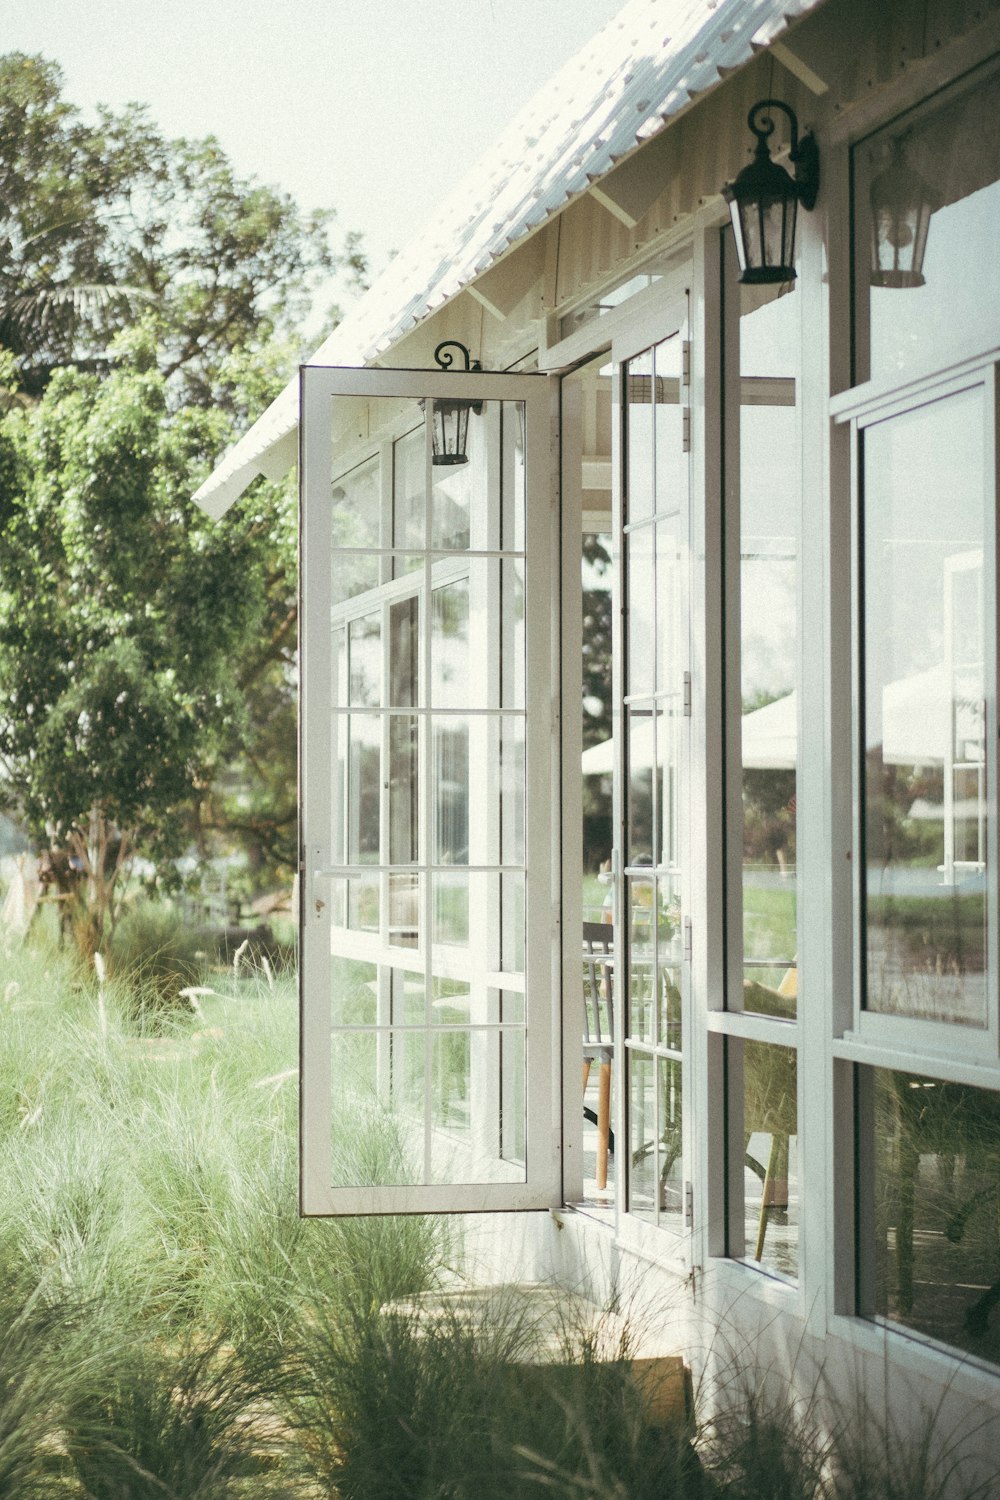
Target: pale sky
(372,107)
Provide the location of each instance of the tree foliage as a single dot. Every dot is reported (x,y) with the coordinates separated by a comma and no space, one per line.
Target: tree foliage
(129,623)
(104,221)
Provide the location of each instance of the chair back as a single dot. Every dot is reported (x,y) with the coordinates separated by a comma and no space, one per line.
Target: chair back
(598,991)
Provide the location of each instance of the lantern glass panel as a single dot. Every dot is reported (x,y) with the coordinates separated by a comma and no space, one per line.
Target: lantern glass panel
(767,231)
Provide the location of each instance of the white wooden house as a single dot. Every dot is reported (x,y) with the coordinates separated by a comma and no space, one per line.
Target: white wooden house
(795,480)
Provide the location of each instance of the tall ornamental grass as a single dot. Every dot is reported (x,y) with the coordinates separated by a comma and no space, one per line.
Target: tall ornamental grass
(169,1327)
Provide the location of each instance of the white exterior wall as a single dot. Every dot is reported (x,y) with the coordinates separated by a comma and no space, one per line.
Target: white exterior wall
(845,70)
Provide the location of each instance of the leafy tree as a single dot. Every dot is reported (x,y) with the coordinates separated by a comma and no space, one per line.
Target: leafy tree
(101,222)
(126,621)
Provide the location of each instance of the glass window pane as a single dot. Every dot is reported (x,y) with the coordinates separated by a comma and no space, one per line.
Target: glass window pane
(513,480)
(642,1136)
(405,910)
(927,203)
(356,510)
(769,465)
(639,756)
(450,645)
(404,789)
(353,992)
(365,669)
(770,1143)
(450,758)
(671,460)
(925,757)
(511,624)
(671,634)
(641,596)
(937,1208)
(404,653)
(409,488)
(640,896)
(457,491)
(637,380)
(669,956)
(669,1154)
(364,788)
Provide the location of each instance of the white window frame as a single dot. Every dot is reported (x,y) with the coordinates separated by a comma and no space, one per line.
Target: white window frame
(542,1187)
(958,1053)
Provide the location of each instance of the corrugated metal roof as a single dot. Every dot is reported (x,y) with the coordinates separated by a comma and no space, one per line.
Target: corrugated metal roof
(642,69)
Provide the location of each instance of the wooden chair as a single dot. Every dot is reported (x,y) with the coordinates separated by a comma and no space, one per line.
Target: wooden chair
(599,1032)
(770,1103)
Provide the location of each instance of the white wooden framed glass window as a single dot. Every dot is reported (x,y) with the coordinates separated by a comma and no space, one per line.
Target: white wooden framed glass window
(762,652)
(428,1012)
(651,493)
(925,1039)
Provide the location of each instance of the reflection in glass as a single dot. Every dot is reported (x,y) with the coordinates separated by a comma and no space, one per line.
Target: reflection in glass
(365,647)
(363,893)
(937,1208)
(641,813)
(671,459)
(769,576)
(642,603)
(404,653)
(669,1156)
(642,1137)
(459,492)
(355,515)
(409,997)
(925,761)
(437,1083)
(512,477)
(770,1143)
(640,896)
(511,788)
(404,786)
(409,487)
(670,642)
(353,992)
(364,788)
(512,661)
(450,754)
(405,903)
(637,395)
(450,645)
(951,185)
(451,908)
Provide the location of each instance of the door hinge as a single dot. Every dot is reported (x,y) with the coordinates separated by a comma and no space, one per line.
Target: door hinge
(686,362)
(686,701)
(687,940)
(689,1205)
(685,429)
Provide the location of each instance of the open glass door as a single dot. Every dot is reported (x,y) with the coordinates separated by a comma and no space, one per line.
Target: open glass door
(428,1003)
(652,702)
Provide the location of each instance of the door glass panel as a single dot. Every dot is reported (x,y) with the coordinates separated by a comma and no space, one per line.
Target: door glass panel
(409,483)
(427,774)
(637,395)
(654,589)
(355,515)
(925,588)
(640,547)
(450,645)
(769,463)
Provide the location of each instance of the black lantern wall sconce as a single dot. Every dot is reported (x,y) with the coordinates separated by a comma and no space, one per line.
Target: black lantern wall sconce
(901,207)
(764,198)
(450,430)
